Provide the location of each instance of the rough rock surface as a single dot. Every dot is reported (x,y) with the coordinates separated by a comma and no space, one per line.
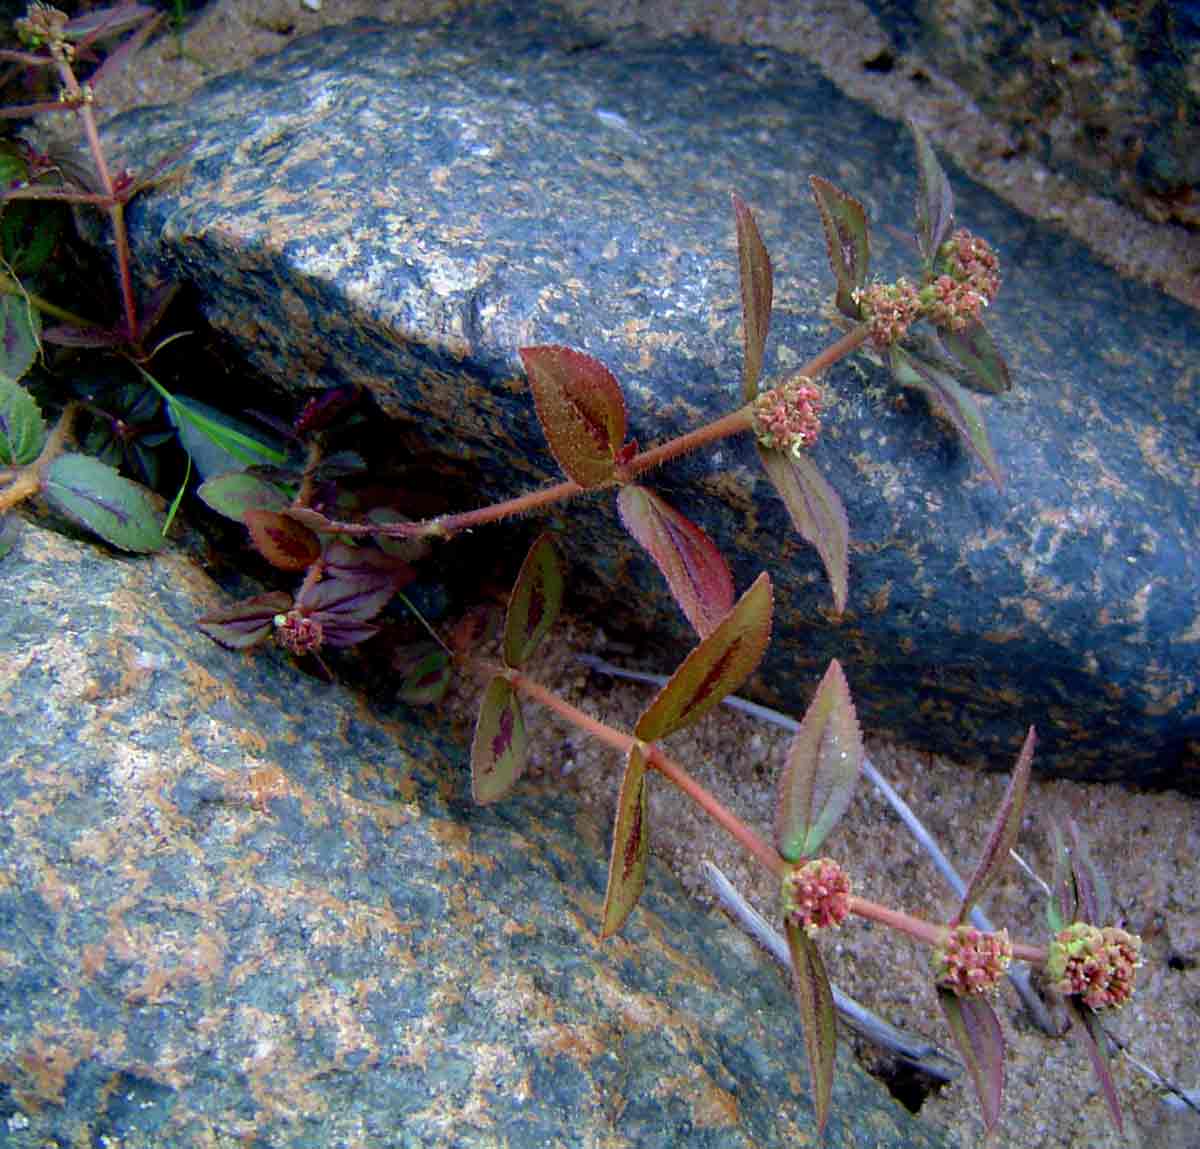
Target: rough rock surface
(239,907)
(404,209)
(1109,93)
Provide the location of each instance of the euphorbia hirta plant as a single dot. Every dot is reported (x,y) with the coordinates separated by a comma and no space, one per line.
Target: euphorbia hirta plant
(1093,966)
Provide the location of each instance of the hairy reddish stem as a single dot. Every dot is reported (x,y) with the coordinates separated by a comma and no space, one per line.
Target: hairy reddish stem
(928,933)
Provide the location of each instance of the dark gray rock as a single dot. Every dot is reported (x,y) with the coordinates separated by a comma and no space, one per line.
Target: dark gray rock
(405,208)
(1104,93)
(238,906)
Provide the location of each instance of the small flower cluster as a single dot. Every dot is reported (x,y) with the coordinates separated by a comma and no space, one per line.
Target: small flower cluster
(890,308)
(971,962)
(42,23)
(816,895)
(968,281)
(1095,964)
(788,417)
(298,633)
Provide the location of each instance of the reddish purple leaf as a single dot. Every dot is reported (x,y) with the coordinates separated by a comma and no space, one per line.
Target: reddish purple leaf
(630,846)
(581,410)
(347,633)
(1091,1034)
(980,363)
(823,765)
(336,603)
(814,996)
(715,668)
(282,541)
(847,241)
(535,603)
(693,567)
(913,370)
(977,1034)
(816,512)
(754,269)
(365,568)
(246,623)
(935,202)
(1005,828)
(498,749)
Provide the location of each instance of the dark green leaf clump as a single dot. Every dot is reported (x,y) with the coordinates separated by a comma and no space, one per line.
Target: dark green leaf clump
(94,495)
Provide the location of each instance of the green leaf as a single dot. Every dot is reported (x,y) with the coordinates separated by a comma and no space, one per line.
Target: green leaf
(428,680)
(847,241)
(980,363)
(498,749)
(581,410)
(698,576)
(217,443)
(1091,888)
(715,668)
(22,429)
(1003,834)
(977,1034)
(754,270)
(935,201)
(1061,907)
(816,512)
(19,327)
(1091,1034)
(283,542)
(237,492)
(28,234)
(535,603)
(911,370)
(92,493)
(823,765)
(630,846)
(814,996)
(246,623)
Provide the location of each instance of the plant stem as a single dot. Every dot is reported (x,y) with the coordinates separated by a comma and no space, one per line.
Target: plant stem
(10,286)
(732,424)
(920,930)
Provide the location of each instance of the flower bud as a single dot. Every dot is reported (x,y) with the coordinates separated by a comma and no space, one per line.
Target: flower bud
(298,633)
(816,894)
(971,962)
(788,417)
(890,309)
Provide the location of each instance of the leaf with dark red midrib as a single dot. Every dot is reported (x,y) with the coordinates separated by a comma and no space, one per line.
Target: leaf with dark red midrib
(698,576)
(535,602)
(716,667)
(630,846)
(498,748)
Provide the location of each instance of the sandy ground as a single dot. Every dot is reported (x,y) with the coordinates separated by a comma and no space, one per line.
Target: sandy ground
(1149,842)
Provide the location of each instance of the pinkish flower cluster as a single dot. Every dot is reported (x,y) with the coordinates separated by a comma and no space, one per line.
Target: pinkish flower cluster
(788,417)
(890,309)
(1095,964)
(298,633)
(816,894)
(968,281)
(971,962)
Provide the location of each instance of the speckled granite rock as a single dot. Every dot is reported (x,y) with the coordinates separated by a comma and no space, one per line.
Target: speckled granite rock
(238,907)
(405,208)
(1108,93)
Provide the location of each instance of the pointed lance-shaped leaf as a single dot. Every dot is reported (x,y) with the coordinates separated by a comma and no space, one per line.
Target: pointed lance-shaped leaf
(1062,904)
(816,511)
(695,571)
(754,271)
(912,370)
(235,493)
(715,668)
(1091,1034)
(581,410)
(935,201)
(979,1039)
(981,366)
(1003,834)
(823,764)
(814,996)
(630,846)
(536,599)
(93,494)
(1091,888)
(498,749)
(283,542)
(248,622)
(847,241)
